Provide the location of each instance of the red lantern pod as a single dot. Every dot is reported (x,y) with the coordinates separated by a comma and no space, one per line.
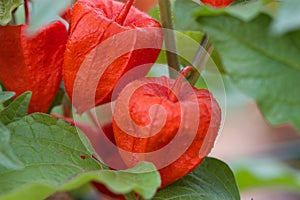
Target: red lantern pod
(67,14)
(171,125)
(217,3)
(33,63)
(93,23)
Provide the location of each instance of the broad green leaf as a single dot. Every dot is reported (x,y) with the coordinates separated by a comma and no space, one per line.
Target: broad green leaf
(288,18)
(183,15)
(212,180)
(6,8)
(263,67)
(46,11)
(50,150)
(143,179)
(265,172)
(8,159)
(16,110)
(55,159)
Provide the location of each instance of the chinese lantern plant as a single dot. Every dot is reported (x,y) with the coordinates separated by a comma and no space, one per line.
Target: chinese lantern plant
(46,154)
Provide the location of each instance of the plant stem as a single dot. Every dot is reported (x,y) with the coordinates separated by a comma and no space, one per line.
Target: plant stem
(178,83)
(199,53)
(169,36)
(120,19)
(194,77)
(27,15)
(197,61)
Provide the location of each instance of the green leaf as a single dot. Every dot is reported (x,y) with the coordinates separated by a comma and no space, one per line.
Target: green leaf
(19,15)
(6,8)
(4,96)
(183,15)
(8,159)
(288,18)
(264,67)
(55,159)
(154,12)
(247,10)
(46,11)
(50,150)
(188,43)
(143,179)
(266,172)
(16,110)
(212,180)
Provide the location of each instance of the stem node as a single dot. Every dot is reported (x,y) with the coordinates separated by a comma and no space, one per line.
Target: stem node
(178,83)
(120,19)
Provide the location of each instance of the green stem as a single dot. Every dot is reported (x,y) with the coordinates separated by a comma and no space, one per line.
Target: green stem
(169,36)
(178,83)
(200,51)
(193,79)
(197,61)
